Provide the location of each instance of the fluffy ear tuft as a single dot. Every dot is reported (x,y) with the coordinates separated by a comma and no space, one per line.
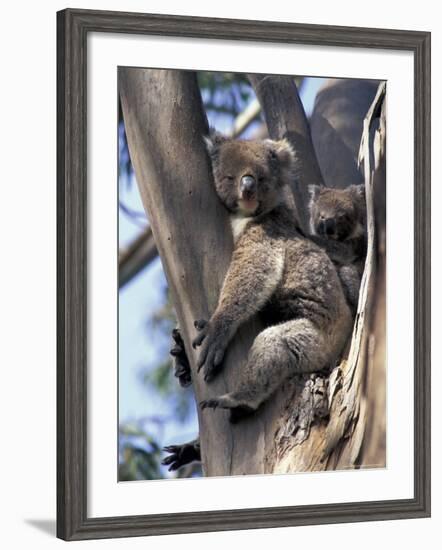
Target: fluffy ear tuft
(283,150)
(358,191)
(213,141)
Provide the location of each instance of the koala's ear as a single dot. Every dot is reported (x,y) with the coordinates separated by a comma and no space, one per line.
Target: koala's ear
(358,191)
(213,141)
(283,151)
(314,191)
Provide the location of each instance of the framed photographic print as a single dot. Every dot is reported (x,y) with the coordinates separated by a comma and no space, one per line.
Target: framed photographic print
(243,274)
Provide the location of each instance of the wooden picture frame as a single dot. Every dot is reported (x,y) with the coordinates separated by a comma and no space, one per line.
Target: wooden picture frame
(73,27)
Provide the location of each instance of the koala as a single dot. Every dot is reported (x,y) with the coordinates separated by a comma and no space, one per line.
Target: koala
(338,224)
(274,271)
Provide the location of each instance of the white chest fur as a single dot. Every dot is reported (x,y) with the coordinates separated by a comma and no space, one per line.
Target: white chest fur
(238,224)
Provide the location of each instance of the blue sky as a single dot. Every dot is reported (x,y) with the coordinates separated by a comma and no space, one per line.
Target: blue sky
(138,348)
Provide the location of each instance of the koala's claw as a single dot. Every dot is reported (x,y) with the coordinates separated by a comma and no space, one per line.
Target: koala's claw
(172,461)
(181,455)
(211,357)
(198,340)
(213,349)
(181,362)
(176,350)
(179,344)
(213,361)
(202,327)
(200,324)
(212,403)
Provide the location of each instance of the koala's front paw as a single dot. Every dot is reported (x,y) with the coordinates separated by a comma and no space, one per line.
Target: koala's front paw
(213,348)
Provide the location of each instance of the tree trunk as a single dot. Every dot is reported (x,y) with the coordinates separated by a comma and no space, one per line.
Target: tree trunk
(165,123)
(336,128)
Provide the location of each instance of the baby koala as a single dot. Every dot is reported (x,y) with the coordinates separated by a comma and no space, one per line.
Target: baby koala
(338,221)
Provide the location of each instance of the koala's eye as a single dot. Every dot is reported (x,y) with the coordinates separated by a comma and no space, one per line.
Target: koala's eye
(261,179)
(229,178)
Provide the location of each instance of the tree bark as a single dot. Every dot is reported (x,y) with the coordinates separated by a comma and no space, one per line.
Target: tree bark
(336,128)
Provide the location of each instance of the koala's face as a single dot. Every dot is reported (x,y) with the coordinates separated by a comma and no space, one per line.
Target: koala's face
(249,175)
(337,213)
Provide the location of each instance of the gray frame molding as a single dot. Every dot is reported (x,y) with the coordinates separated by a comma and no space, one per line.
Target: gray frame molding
(72,29)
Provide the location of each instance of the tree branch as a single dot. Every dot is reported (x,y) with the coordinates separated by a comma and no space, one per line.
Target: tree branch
(132,259)
(244,119)
(285,117)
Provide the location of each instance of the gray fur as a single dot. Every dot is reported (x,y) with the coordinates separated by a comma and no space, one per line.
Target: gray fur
(346,244)
(275,271)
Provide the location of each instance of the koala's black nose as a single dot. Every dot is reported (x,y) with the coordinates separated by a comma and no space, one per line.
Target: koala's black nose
(248,185)
(330,226)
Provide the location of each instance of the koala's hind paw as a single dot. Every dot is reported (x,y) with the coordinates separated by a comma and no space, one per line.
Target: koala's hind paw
(181,455)
(209,403)
(237,411)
